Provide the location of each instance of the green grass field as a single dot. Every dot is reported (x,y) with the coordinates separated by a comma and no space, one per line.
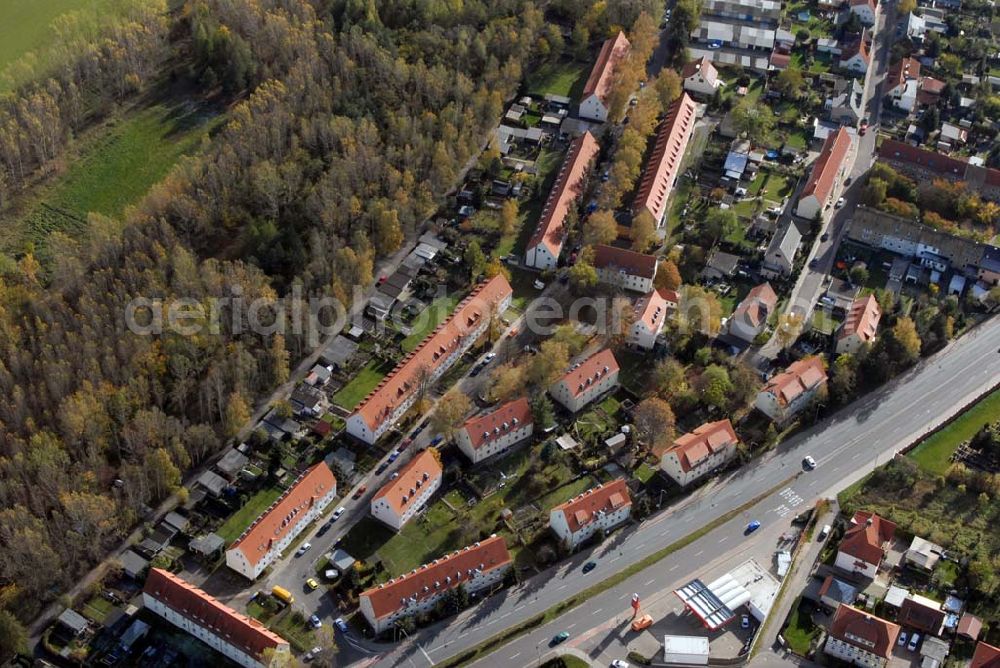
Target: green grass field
(567,78)
(933,455)
(429,318)
(364,382)
(116,164)
(800,631)
(241,519)
(25,24)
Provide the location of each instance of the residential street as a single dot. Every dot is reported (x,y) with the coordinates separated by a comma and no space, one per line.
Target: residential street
(847,446)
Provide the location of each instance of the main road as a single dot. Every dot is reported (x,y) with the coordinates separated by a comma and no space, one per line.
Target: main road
(847,446)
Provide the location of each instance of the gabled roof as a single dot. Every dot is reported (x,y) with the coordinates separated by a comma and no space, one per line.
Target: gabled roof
(704,66)
(286,513)
(665,160)
(759,303)
(632,263)
(858,47)
(581,509)
(931,85)
(866,536)
(509,417)
(905,68)
(419,472)
(405,379)
(651,309)
(860,629)
(969,626)
(602,76)
(696,446)
(922,614)
(869,3)
(590,371)
(565,191)
(203,610)
(799,377)
(986,656)
(931,161)
(828,165)
(862,319)
(438,576)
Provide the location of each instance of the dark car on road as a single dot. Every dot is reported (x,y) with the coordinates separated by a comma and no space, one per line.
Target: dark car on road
(560,637)
(589,566)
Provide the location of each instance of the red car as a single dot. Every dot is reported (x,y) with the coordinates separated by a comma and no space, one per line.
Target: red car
(405,444)
(382,279)
(361,490)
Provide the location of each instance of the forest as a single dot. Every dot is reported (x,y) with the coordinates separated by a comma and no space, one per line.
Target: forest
(347,123)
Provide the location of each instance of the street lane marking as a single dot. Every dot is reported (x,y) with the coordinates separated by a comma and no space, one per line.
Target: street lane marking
(561,587)
(596,611)
(674,567)
(699,553)
(724,539)
(571,626)
(646,584)
(514,656)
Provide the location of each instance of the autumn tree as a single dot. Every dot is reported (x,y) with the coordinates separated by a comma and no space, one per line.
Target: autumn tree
(600,228)
(714,386)
(643,231)
(237,413)
(506,382)
(583,275)
(790,82)
(668,378)
(789,328)
(13,635)
(699,310)
(549,364)
(668,277)
(450,412)
(654,423)
(508,216)
(668,87)
(904,335)
(755,121)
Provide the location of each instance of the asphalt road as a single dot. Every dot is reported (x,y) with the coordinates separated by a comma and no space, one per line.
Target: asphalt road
(847,446)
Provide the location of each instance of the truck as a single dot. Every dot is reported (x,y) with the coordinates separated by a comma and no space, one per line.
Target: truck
(283,595)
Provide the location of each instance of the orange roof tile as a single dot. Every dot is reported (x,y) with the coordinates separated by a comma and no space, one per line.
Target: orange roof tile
(509,417)
(799,377)
(665,160)
(862,319)
(602,75)
(418,473)
(440,575)
(651,309)
(590,371)
(404,380)
(285,513)
(703,65)
(635,264)
(759,303)
(864,539)
(905,68)
(897,151)
(191,602)
(565,191)
(860,629)
(827,165)
(706,440)
(580,510)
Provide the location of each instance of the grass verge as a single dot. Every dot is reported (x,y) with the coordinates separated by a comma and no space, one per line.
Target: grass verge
(364,382)
(933,454)
(555,611)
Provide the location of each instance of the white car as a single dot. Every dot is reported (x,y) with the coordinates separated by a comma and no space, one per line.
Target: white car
(809,462)
(337,513)
(489,357)
(840,203)
(619,663)
(538,285)
(914,641)
(303,549)
(312,654)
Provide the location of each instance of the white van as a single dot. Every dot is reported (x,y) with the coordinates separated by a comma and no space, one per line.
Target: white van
(824,532)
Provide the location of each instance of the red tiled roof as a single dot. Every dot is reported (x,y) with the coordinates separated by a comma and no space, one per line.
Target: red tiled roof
(986,656)
(634,264)
(759,303)
(590,371)
(440,575)
(651,309)
(897,151)
(706,440)
(905,68)
(580,510)
(780,61)
(799,377)
(565,191)
(602,76)
(665,160)
(859,46)
(863,630)
(827,165)
(703,65)
(419,472)
(931,85)
(870,3)
(969,626)
(509,417)
(922,617)
(191,602)
(862,319)
(285,513)
(864,540)
(405,378)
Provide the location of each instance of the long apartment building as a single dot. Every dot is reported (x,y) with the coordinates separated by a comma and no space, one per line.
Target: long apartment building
(737,32)
(660,174)
(829,169)
(624,268)
(401,499)
(594,104)
(397,392)
(237,637)
(279,525)
(601,508)
(586,381)
(476,567)
(860,638)
(921,164)
(493,433)
(546,243)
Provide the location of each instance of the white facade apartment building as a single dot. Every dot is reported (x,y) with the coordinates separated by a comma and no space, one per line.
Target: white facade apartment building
(651,313)
(397,392)
(624,268)
(699,452)
(602,508)
(866,11)
(864,544)
(240,639)
(594,102)
(701,77)
(493,433)
(586,381)
(401,499)
(790,391)
(860,638)
(279,525)
(477,567)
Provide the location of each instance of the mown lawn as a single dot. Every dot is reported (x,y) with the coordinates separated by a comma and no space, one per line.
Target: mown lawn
(364,382)
(567,78)
(800,631)
(933,455)
(242,518)
(429,318)
(296,630)
(115,165)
